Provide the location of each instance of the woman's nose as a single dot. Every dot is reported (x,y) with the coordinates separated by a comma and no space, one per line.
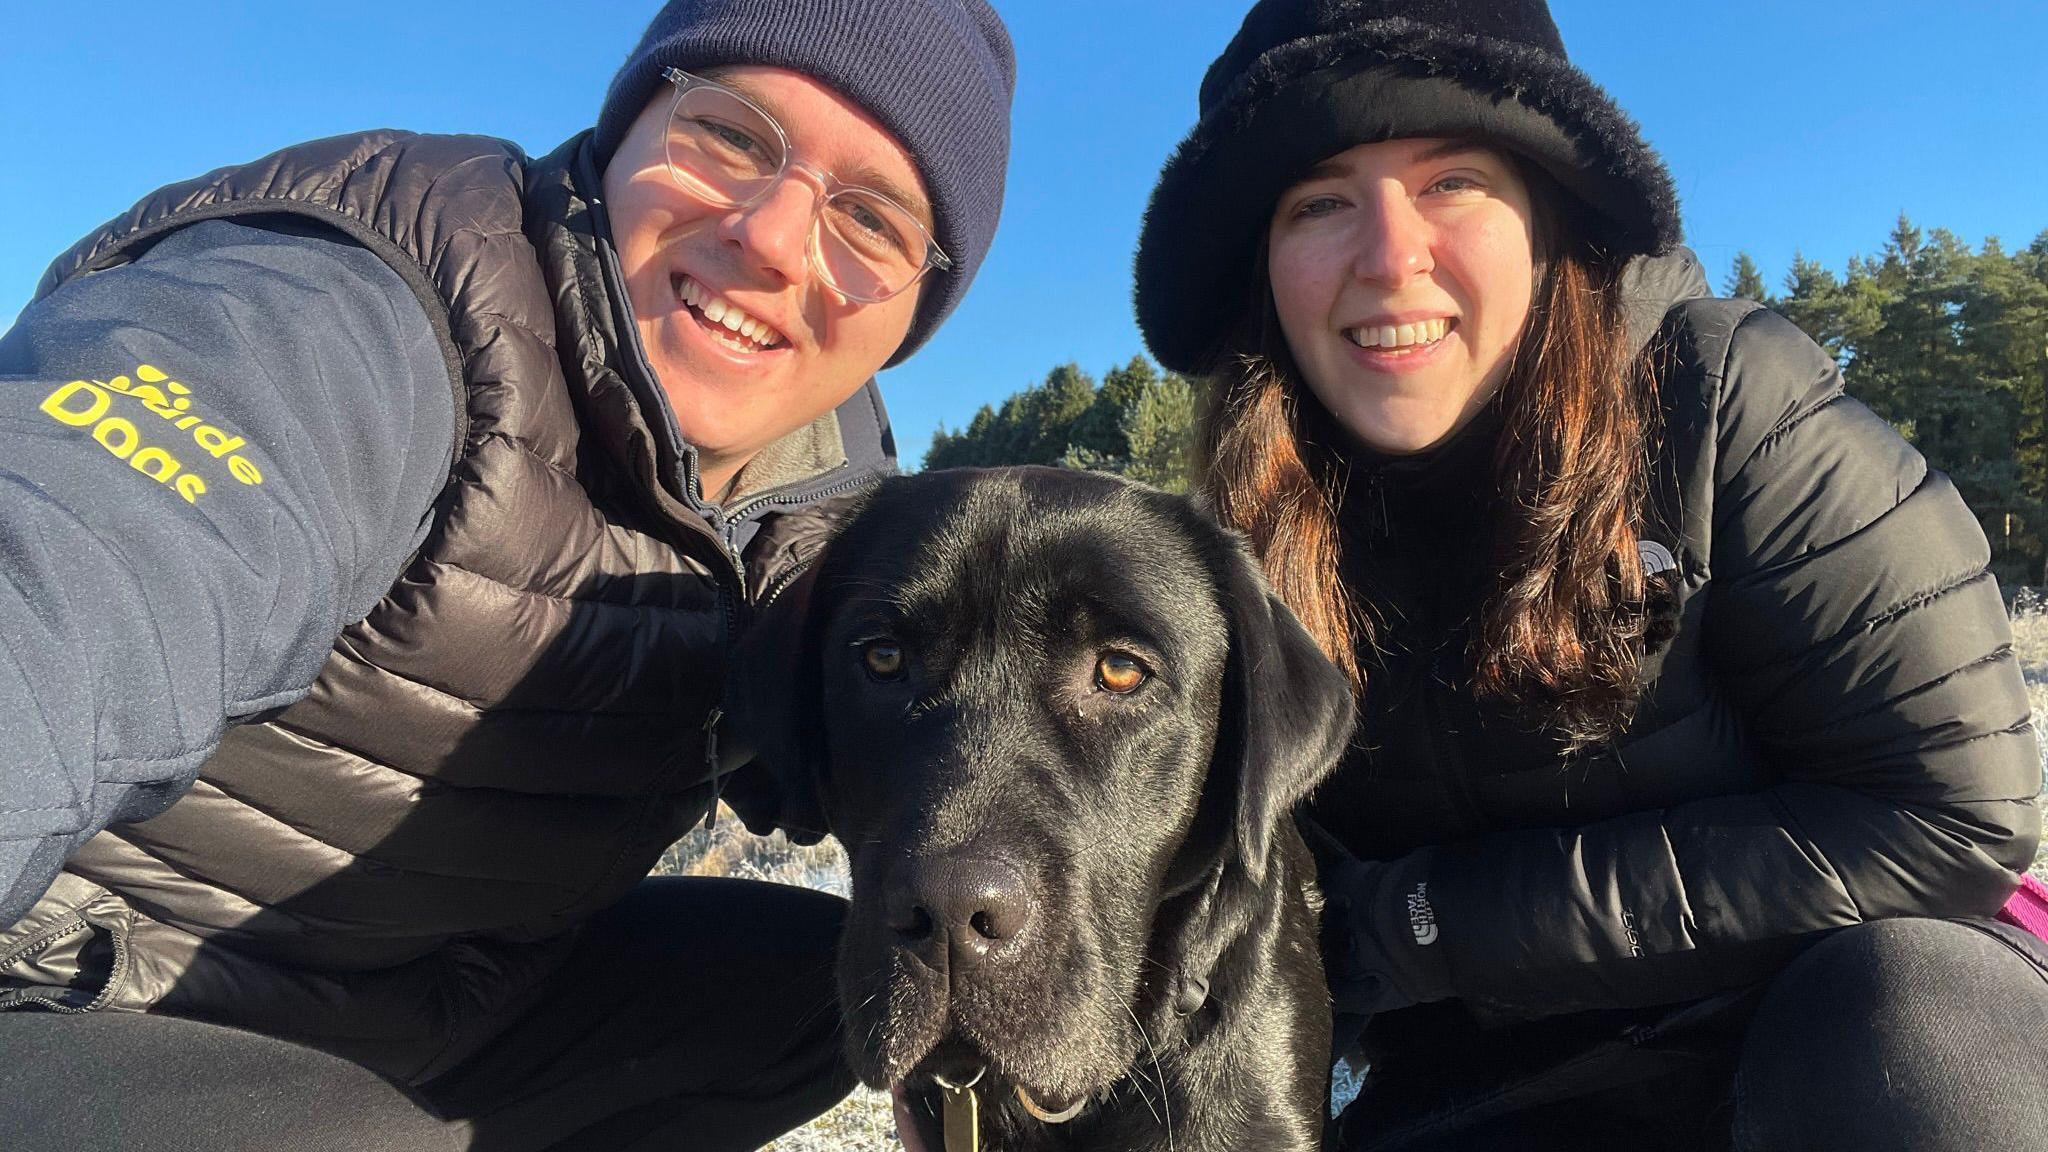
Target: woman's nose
(1393,240)
(773,234)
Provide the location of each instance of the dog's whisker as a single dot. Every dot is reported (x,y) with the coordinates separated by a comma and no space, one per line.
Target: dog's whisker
(853,581)
(1165,1113)
(817,1012)
(1145,1097)
(886,601)
(1083,850)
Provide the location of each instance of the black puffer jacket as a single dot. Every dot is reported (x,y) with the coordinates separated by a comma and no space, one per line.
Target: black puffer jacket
(514,733)
(1837,732)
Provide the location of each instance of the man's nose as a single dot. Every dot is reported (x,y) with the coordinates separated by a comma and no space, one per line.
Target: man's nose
(1394,239)
(773,234)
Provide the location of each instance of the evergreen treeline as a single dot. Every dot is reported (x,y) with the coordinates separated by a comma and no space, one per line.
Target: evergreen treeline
(1139,422)
(1951,346)
(1948,344)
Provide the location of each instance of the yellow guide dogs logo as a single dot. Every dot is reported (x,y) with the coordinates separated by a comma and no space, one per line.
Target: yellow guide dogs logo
(90,404)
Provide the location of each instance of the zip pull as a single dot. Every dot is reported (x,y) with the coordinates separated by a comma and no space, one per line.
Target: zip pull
(711,765)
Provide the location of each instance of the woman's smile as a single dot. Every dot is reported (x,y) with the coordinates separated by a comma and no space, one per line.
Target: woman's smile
(1402,273)
(1401,349)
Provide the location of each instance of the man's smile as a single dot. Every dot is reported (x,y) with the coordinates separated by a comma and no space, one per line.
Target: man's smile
(728,323)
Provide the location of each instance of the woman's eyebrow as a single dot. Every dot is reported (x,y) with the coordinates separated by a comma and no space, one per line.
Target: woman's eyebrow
(1329,169)
(1333,167)
(1449,148)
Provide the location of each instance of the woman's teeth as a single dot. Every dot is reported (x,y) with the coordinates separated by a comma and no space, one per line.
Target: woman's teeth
(1395,337)
(725,313)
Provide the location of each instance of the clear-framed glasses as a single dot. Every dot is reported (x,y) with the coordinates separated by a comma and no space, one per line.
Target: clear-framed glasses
(725,150)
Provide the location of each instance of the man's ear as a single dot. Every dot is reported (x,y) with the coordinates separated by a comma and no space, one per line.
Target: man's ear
(1287,710)
(771,737)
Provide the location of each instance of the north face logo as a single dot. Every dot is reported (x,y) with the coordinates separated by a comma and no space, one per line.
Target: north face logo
(1656,557)
(1421,917)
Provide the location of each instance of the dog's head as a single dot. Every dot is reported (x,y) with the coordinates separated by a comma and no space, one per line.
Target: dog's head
(1034,705)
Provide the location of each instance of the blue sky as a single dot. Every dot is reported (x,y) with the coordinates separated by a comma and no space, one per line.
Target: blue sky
(1803,125)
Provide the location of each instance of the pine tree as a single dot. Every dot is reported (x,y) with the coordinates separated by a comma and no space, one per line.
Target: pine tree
(1066,397)
(2003,330)
(1101,429)
(1160,428)
(1908,367)
(1814,301)
(1745,282)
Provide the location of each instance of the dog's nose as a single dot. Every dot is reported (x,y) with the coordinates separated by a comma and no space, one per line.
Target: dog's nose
(956,910)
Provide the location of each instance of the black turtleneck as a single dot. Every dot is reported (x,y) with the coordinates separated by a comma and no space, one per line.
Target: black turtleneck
(1418,535)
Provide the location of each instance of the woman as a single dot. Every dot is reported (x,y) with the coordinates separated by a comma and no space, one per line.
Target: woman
(1692,752)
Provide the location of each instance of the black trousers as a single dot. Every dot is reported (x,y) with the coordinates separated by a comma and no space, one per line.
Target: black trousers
(697,1013)
(1920,1035)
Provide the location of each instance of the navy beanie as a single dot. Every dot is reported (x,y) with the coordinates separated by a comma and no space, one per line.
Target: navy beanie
(938,74)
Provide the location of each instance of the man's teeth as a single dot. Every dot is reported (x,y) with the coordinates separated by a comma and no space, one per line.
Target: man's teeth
(1396,336)
(719,310)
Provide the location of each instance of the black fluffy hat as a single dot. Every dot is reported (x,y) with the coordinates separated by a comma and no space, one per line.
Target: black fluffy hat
(1306,79)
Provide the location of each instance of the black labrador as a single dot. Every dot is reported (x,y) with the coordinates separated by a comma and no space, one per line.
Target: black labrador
(1059,723)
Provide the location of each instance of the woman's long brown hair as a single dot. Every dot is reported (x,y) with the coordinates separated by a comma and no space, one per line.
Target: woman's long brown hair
(1560,635)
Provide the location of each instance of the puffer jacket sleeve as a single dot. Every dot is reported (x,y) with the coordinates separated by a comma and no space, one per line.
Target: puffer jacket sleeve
(211,460)
(1855,629)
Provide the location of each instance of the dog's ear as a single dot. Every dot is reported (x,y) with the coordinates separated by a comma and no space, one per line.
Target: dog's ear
(771,736)
(1287,710)
(1286,717)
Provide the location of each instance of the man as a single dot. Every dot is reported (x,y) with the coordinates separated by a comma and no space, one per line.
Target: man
(408,494)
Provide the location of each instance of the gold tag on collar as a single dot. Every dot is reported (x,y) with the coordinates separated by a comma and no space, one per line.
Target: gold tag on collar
(963,1120)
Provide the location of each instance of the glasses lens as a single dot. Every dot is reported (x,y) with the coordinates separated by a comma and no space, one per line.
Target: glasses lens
(870,247)
(720,148)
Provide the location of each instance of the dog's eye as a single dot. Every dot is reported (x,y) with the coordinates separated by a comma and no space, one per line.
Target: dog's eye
(884,659)
(1119,673)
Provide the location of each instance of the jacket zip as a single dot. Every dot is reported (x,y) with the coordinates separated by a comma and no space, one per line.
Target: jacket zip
(859,480)
(782,584)
(117,971)
(731,520)
(44,941)
(691,483)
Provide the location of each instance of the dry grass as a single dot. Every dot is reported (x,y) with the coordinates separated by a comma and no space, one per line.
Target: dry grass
(863,1123)
(726,849)
(2030,644)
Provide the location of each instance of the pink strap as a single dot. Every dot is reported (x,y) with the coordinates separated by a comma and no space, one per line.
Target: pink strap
(2028,907)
